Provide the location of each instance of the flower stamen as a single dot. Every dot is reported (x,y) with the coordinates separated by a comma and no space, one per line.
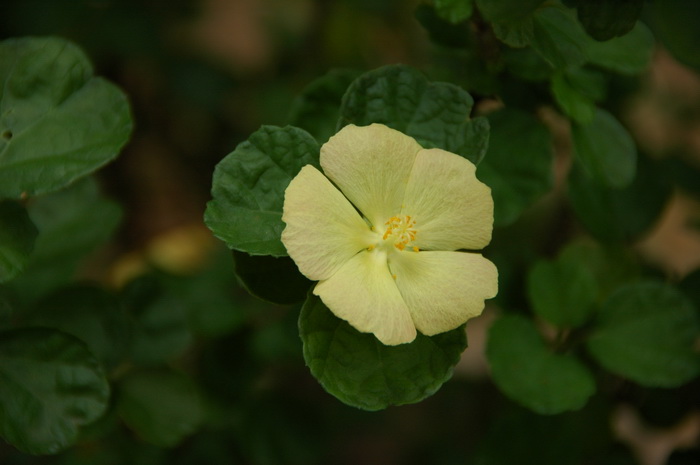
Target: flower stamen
(402,230)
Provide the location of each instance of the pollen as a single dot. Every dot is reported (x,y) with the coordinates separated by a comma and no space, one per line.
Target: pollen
(401,231)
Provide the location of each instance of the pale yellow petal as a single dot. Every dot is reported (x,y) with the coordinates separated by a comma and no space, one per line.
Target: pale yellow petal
(363,293)
(323,230)
(444,289)
(451,207)
(371,165)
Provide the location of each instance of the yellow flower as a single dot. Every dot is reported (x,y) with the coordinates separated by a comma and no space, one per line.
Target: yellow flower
(385,247)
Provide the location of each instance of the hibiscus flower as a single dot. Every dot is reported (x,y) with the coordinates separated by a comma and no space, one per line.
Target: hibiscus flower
(389,230)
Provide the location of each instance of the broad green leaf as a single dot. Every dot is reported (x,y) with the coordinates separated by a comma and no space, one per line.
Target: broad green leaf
(17,236)
(454,11)
(677,25)
(589,82)
(364,373)
(72,224)
(605,19)
(606,150)
(518,165)
(275,279)
(501,10)
(57,122)
(317,108)
(617,215)
(435,114)
(248,188)
(558,37)
(646,332)
(50,385)
(629,54)
(562,291)
(161,406)
(160,331)
(574,104)
(90,314)
(528,372)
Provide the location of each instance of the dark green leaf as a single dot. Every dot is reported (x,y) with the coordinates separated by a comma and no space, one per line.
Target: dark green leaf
(89,313)
(629,54)
(527,64)
(562,291)
(160,321)
(57,122)
(527,372)
(161,406)
(605,19)
(574,104)
(454,11)
(606,150)
(518,166)
(677,25)
(275,279)
(318,106)
(248,188)
(559,38)
(516,32)
(441,31)
(435,114)
(362,372)
(50,385)
(645,332)
(616,215)
(72,224)
(17,236)
(501,10)
(589,82)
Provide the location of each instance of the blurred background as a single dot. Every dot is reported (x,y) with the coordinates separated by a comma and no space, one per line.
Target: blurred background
(204,74)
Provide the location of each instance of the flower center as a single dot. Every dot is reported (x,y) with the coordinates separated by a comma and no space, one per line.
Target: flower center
(401,231)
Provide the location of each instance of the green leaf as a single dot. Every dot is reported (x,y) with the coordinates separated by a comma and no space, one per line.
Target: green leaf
(518,166)
(72,224)
(677,25)
(529,373)
(501,10)
(526,64)
(435,114)
(160,331)
(50,385)
(57,122)
(317,108)
(516,32)
(629,54)
(275,279)
(161,406)
(364,373)
(90,314)
(248,188)
(455,36)
(558,37)
(606,150)
(646,332)
(17,236)
(574,104)
(454,11)
(617,215)
(605,19)
(562,291)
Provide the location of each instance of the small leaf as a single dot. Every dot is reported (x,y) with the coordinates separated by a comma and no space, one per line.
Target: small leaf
(645,332)
(435,114)
(58,123)
(574,104)
(606,150)
(503,10)
(559,38)
(50,385)
(275,279)
(517,33)
(518,166)
(629,54)
(248,188)
(161,406)
(605,19)
(454,11)
(562,291)
(364,373)
(527,372)
(317,108)
(17,236)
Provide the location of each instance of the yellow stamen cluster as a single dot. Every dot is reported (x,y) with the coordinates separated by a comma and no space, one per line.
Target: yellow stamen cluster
(402,229)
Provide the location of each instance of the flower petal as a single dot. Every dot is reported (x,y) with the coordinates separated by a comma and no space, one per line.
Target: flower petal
(452,208)
(371,165)
(323,229)
(444,289)
(363,293)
